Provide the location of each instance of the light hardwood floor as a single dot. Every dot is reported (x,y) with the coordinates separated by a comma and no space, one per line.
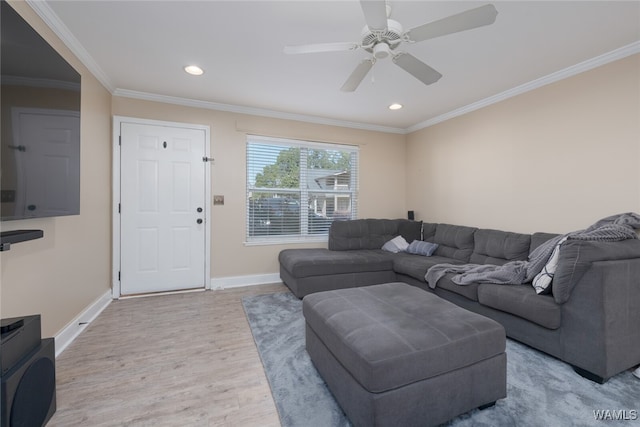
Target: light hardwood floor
(168,360)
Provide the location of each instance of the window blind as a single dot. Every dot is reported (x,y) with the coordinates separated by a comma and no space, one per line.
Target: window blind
(296,189)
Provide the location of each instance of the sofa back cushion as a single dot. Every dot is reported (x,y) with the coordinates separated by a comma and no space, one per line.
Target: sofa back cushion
(348,235)
(429,231)
(370,233)
(539,238)
(410,230)
(498,247)
(380,232)
(454,241)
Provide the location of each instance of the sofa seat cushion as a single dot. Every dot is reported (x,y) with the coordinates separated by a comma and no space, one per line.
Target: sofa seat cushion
(322,262)
(390,335)
(522,301)
(416,266)
(468,291)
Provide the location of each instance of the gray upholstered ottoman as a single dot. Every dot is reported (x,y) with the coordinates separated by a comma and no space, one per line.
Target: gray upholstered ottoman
(394,354)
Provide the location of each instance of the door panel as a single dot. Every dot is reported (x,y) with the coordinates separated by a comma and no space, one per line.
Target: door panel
(162,187)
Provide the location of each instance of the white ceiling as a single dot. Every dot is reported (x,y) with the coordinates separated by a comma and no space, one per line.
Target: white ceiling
(138,48)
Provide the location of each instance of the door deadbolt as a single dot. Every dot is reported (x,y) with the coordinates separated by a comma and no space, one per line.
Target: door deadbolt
(199,220)
(199,209)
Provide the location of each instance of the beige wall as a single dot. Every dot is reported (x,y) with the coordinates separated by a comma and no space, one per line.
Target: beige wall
(61,274)
(554,159)
(382,180)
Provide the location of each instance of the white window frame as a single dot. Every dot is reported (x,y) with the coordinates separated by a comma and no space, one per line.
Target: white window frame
(303,191)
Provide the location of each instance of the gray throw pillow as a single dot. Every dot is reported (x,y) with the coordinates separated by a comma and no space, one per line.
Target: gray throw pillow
(419,247)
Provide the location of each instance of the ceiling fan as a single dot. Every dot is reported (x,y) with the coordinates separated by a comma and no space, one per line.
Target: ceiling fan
(382,36)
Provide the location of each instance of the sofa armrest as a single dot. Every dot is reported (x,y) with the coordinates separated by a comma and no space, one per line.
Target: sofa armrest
(600,321)
(577,256)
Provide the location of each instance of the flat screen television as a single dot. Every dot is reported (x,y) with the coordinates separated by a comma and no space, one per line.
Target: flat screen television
(40,133)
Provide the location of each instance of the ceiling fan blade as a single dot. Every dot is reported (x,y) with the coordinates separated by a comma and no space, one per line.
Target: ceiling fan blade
(321,47)
(357,76)
(416,68)
(472,18)
(375,14)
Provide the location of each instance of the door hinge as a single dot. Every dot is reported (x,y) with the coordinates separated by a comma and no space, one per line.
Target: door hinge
(119,207)
(119,139)
(118,276)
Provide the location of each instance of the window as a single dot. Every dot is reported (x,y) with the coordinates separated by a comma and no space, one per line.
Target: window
(295,189)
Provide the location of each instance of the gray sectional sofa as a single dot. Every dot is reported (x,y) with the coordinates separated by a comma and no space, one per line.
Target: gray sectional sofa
(591,318)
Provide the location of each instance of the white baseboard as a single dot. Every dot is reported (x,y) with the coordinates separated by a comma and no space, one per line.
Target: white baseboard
(80,322)
(240,281)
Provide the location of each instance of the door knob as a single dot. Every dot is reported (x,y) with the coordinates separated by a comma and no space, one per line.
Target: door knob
(199,209)
(199,220)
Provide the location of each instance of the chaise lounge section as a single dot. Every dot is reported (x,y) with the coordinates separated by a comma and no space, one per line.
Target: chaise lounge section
(590,319)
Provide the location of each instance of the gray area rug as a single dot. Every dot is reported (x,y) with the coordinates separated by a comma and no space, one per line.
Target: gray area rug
(541,390)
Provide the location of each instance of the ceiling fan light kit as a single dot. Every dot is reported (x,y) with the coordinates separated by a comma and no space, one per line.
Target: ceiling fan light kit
(381,36)
(381,50)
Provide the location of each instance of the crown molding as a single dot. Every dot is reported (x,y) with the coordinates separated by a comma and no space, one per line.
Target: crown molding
(253,111)
(581,67)
(50,18)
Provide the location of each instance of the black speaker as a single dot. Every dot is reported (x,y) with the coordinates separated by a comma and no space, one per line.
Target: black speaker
(410,215)
(29,388)
(20,336)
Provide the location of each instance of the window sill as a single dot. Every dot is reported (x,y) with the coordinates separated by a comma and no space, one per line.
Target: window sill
(287,241)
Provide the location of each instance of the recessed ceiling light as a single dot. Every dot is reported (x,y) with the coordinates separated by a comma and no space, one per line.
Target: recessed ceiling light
(395,106)
(194,70)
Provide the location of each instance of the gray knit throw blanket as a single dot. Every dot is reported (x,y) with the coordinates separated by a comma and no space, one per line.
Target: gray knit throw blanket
(610,229)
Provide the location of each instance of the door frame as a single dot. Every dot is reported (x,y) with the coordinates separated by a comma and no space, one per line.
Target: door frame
(116,199)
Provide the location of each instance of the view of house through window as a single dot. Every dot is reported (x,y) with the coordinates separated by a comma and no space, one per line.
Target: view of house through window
(295,189)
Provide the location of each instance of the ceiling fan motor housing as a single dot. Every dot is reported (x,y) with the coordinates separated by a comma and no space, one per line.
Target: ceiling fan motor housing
(382,42)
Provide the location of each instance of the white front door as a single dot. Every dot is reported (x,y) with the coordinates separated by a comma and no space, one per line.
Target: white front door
(162,208)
